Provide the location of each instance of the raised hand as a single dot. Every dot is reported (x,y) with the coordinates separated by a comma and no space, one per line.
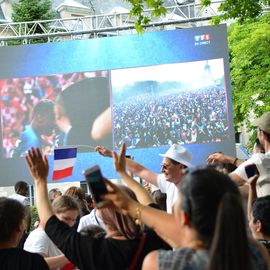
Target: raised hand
(253,181)
(217,157)
(120,160)
(120,199)
(103,151)
(37,164)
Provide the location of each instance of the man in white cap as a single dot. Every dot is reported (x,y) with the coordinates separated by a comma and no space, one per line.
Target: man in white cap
(261,160)
(175,160)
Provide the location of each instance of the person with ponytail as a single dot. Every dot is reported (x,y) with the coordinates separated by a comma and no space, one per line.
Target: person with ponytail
(207,228)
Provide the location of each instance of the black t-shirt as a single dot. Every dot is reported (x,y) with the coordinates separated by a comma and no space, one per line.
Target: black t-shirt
(87,252)
(19,259)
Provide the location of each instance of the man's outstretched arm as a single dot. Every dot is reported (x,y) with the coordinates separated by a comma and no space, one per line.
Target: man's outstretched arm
(133,166)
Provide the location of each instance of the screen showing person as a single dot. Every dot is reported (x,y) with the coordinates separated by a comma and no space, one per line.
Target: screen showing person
(51,111)
(83,114)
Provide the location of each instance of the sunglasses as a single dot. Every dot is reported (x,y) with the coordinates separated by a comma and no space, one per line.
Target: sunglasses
(165,166)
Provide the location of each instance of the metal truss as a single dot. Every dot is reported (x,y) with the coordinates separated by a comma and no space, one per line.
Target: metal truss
(102,25)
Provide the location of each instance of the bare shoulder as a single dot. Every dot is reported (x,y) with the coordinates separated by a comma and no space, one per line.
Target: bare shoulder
(151,261)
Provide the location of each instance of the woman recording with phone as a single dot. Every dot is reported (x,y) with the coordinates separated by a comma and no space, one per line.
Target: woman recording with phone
(208,225)
(123,247)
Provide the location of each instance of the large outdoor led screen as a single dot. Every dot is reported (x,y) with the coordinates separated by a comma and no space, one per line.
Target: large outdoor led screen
(149,91)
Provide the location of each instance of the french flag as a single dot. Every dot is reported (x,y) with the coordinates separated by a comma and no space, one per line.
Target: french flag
(64,161)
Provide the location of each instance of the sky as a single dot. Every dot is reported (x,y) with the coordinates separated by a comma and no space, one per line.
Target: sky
(182,72)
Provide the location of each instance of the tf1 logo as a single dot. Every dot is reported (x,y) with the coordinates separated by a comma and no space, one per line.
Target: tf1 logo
(202,39)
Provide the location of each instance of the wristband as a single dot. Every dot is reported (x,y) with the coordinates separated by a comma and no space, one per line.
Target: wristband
(234,163)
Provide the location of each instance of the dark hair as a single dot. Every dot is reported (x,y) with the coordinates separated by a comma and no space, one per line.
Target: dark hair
(213,202)
(160,199)
(261,212)
(223,167)
(122,225)
(267,135)
(97,88)
(230,248)
(93,231)
(259,145)
(53,190)
(12,214)
(92,98)
(20,186)
(52,193)
(89,198)
(43,107)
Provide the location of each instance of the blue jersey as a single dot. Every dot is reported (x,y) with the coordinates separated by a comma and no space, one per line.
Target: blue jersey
(28,139)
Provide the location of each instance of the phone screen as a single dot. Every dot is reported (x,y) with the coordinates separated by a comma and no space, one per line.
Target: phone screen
(251,170)
(96,184)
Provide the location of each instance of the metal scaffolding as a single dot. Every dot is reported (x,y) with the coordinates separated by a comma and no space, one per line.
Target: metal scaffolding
(103,25)
(98,25)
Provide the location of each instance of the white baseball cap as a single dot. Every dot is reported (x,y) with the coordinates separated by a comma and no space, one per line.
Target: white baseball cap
(180,154)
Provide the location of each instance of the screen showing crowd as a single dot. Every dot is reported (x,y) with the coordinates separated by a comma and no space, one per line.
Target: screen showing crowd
(170,106)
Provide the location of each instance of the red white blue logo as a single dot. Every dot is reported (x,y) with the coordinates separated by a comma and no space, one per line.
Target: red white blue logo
(202,39)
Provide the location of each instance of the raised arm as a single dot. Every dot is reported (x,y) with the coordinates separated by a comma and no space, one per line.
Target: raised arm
(56,261)
(219,157)
(252,195)
(167,229)
(239,181)
(133,166)
(142,194)
(39,168)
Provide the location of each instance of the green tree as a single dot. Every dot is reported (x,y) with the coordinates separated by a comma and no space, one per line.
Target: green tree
(230,9)
(34,216)
(241,10)
(249,45)
(33,10)
(137,11)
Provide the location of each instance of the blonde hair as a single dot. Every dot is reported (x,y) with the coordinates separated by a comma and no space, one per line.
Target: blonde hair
(75,192)
(64,203)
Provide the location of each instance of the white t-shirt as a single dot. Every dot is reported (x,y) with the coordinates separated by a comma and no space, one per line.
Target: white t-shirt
(170,189)
(39,242)
(262,162)
(20,198)
(90,219)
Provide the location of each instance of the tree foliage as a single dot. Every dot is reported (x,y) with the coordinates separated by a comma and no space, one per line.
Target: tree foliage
(137,11)
(229,9)
(32,10)
(249,45)
(238,9)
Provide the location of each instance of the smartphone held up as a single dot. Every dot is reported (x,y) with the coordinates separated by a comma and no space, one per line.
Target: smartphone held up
(251,170)
(96,185)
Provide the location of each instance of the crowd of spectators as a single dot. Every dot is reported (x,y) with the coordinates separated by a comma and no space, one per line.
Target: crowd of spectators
(201,204)
(155,120)
(18,98)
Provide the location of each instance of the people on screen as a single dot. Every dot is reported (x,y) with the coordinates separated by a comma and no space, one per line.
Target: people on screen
(42,124)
